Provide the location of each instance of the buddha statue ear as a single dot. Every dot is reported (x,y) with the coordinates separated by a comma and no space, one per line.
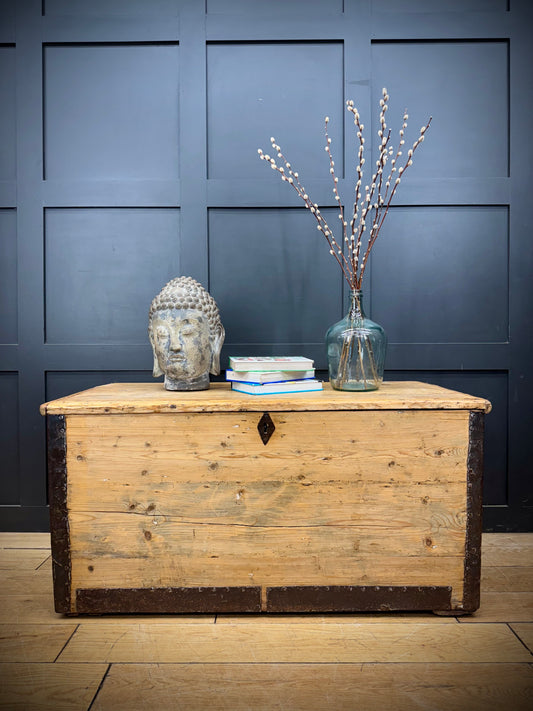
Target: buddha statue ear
(157,370)
(218,340)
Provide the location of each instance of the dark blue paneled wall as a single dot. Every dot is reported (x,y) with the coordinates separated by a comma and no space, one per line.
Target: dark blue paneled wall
(128,155)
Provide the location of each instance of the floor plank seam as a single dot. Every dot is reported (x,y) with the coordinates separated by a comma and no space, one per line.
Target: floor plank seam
(68,640)
(102,680)
(25,548)
(44,561)
(510,625)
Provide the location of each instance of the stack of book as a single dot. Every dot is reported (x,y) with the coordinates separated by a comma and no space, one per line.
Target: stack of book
(272,375)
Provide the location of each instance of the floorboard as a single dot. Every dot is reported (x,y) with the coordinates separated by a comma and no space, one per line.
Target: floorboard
(24,540)
(309,643)
(507,579)
(23,558)
(58,687)
(33,643)
(525,632)
(300,687)
(502,607)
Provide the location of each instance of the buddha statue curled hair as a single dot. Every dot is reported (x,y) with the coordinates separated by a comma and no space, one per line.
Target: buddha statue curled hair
(186,335)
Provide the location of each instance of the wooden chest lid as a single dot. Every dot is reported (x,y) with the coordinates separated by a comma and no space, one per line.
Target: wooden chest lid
(142,398)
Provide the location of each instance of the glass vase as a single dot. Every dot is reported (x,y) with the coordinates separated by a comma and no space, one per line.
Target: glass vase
(356,348)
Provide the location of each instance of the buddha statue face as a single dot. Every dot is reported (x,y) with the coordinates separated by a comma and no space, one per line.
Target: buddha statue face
(186,335)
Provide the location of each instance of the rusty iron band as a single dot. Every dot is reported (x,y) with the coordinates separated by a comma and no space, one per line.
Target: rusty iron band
(474,515)
(334,598)
(168,600)
(357,598)
(57,499)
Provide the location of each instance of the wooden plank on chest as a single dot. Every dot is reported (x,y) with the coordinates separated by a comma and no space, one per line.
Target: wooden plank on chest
(124,398)
(195,499)
(388,447)
(117,550)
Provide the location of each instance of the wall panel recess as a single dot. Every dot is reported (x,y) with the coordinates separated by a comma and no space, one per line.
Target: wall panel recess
(8,276)
(465,86)
(258,90)
(111,111)
(103,266)
(9,439)
(274,7)
(439,5)
(429,284)
(110,8)
(7,113)
(264,265)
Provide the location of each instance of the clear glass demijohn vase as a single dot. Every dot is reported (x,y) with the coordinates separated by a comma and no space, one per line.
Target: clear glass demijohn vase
(356,348)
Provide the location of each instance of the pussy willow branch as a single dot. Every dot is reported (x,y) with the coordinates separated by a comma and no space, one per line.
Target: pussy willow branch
(379,224)
(384,135)
(335,190)
(353,266)
(293,179)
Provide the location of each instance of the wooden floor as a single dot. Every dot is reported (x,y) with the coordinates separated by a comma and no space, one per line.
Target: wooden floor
(387,662)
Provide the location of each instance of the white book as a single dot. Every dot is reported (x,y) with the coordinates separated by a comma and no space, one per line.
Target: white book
(241,363)
(269,376)
(295,386)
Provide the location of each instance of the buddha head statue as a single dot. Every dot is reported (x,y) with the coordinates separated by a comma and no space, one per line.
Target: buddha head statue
(186,335)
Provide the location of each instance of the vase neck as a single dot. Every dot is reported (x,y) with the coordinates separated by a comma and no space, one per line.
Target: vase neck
(356,305)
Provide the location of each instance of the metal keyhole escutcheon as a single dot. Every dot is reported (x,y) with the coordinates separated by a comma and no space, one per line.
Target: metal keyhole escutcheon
(266,427)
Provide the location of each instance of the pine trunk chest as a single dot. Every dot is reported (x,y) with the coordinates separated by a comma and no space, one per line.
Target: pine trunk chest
(215,501)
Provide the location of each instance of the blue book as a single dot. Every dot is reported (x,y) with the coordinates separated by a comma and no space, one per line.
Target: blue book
(294,386)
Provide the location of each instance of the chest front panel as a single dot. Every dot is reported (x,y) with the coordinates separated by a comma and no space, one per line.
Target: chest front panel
(334,498)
